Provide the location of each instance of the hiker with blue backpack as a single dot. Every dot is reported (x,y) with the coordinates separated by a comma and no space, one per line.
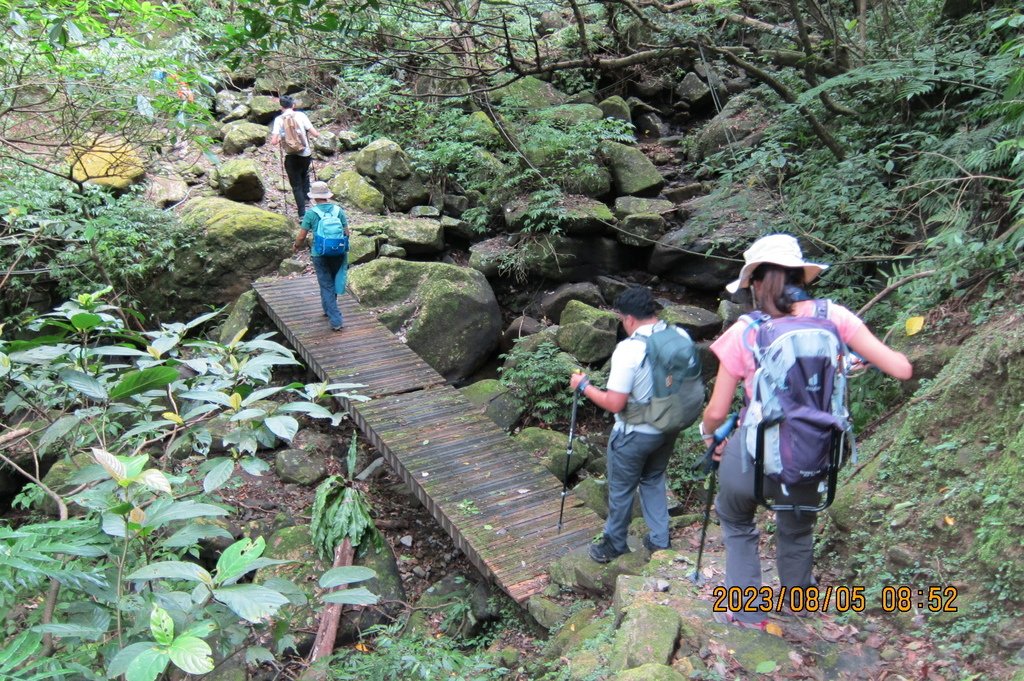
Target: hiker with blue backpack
(791,355)
(655,390)
(329,225)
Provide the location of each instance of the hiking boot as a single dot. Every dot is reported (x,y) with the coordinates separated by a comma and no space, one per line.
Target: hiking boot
(651,548)
(602,551)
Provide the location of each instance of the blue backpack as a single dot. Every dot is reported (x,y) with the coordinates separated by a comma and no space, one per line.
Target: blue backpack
(795,424)
(329,233)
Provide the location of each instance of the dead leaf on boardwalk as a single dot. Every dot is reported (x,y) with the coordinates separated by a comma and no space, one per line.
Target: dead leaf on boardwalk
(796,658)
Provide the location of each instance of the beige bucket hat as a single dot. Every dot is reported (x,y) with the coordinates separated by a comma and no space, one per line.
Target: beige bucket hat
(777,249)
(319,190)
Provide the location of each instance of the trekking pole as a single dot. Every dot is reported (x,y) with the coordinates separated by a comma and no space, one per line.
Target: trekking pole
(709,464)
(568,454)
(284,180)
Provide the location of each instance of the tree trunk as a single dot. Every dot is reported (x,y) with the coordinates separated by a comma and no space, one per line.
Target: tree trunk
(330,618)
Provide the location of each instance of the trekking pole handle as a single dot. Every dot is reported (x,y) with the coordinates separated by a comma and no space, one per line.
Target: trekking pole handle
(721,433)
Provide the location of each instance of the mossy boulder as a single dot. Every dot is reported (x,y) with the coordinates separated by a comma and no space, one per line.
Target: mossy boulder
(168,190)
(299,466)
(351,188)
(447,314)
(556,257)
(593,492)
(496,400)
(424,236)
(588,178)
(263,109)
(616,107)
(572,114)
(640,229)
(647,636)
(488,256)
(632,172)
(325,144)
(739,124)
(652,671)
(478,128)
(585,332)
(389,166)
(239,180)
(576,215)
(578,628)
(107,160)
(241,135)
(546,612)
(549,446)
(632,205)
(361,249)
(234,245)
(701,324)
(530,93)
(553,303)
(225,101)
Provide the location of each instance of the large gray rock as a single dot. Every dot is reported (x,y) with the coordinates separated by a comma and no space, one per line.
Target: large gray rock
(553,302)
(225,101)
(234,244)
(530,93)
(549,447)
(694,91)
(648,635)
(488,256)
(325,144)
(239,316)
(424,236)
(447,314)
(576,215)
(389,166)
(263,109)
(496,400)
(616,107)
(168,190)
(240,135)
(239,180)
(640,229)
(633,205)
(299,467)
(520,327)
(632,172)
(692,256)
(740,122)
(701,324)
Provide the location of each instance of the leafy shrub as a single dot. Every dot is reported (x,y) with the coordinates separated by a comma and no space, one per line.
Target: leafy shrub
(79,240)
(124,407)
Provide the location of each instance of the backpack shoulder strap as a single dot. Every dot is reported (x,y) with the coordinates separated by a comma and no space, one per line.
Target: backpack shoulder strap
(821,308)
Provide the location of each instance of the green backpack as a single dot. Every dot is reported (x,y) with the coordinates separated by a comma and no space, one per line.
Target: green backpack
(676,377)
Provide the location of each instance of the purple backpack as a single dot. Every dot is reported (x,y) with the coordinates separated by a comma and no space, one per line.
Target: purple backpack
(793,427)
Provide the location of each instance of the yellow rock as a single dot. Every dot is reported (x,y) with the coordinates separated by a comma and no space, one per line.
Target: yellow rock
(109,160)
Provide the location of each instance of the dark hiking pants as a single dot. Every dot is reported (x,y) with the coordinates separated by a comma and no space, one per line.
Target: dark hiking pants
(297,168)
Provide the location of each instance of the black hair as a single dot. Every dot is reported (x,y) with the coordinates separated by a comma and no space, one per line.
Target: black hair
(287,101)
(780,288)
(637,302)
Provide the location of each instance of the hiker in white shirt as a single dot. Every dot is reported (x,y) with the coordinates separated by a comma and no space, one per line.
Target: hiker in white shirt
(296,164)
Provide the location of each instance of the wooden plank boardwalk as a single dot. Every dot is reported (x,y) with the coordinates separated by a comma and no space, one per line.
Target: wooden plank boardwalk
(499,505)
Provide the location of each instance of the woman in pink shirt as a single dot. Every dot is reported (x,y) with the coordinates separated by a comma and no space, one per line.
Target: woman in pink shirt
(775,272)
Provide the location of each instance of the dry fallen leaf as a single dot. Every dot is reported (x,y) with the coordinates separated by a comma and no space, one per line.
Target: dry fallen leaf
(914,325)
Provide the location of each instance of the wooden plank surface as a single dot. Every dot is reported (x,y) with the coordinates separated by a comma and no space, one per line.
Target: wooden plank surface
(496,500)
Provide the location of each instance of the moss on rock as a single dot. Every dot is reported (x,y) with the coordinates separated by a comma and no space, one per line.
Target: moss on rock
(588,334)
(351,188)
(632,172)
(108,160)
(239,180)
(240,135)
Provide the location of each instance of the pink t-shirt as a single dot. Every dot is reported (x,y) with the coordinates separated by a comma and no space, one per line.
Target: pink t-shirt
(739,361)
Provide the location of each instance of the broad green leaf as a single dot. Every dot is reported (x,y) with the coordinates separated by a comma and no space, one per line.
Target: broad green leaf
(258,655)
(162,626)
(766,667)
(261,394)
(172,569)
(110,463)
(62,630)
(163,511)
(161,344)
(58,429)
(83,321)
(191,654)
(285,427)
(235,559)
(246,414)
(155,480)
(147,665)
(83,383)
(251,602)
(206,396)
(135,382)
(133,465)
(314,410)
(119,663)
(218,475)
(254,466)
(359,596)
(202,319)
(192,534)
(349,574)
(5,365)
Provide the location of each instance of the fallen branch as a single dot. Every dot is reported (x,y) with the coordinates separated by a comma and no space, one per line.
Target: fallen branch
(330,618)
(892,287)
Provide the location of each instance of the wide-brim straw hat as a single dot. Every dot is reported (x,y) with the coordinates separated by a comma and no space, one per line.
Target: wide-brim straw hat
(777,249)
(319,190)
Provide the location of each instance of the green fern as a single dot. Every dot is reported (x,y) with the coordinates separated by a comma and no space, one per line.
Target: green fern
(20,661)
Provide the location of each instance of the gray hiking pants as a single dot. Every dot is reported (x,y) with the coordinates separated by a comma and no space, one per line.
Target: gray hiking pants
(736,506)
(637,461)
